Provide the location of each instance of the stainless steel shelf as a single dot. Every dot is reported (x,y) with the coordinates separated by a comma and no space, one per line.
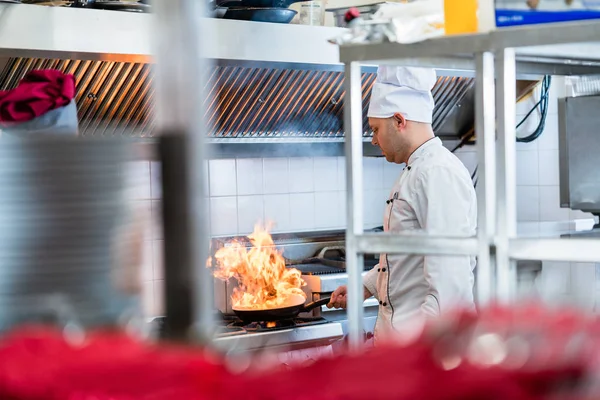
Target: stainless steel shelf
(59,32)
(496,59)
(558,49)
(576,250)
(68,33)
(415,244)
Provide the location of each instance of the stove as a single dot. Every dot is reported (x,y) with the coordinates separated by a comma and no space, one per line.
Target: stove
(319,256)
(269,326)
(234,335)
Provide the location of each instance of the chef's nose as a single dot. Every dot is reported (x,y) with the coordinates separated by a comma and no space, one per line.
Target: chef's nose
(374,141)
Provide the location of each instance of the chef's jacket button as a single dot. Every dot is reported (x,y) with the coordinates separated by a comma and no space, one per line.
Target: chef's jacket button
(380,302)
(383,270)
(378,269)
(384,304)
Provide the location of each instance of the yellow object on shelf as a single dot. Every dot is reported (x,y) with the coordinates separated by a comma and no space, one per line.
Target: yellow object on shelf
(460,17)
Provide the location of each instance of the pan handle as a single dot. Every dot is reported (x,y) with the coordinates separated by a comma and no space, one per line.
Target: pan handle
(314,304)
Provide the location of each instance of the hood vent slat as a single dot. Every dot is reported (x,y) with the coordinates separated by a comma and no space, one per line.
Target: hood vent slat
(116,99)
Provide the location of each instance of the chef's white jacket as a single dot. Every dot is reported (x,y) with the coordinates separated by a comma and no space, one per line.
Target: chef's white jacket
(435,194)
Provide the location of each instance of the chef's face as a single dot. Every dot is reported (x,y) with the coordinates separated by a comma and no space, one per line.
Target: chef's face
(388,134)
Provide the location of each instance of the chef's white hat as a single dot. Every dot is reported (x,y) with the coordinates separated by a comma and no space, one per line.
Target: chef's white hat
(404,90)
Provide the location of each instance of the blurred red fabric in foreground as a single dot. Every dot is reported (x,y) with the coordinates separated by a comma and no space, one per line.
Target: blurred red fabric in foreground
(38,92)
(37,364)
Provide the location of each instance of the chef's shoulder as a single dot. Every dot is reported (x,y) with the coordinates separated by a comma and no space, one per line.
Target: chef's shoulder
(444,169)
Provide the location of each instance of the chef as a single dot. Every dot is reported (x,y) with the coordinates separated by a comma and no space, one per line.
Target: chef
(433,194)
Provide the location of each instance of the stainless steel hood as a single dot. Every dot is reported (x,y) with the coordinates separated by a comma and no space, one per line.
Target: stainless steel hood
(274,89)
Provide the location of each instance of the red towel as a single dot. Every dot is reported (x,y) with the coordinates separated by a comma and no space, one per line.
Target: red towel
(40,91)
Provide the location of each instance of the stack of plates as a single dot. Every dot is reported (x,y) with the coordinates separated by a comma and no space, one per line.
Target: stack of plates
(62,206)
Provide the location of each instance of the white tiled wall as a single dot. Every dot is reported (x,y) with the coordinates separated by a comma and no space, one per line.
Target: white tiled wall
(538,204)
(309,194)
(291,193)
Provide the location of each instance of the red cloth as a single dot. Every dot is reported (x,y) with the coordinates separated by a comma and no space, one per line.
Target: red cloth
(37,364)
(38,92)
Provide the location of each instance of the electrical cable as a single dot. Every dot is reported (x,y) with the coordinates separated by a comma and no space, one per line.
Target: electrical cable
(542,104)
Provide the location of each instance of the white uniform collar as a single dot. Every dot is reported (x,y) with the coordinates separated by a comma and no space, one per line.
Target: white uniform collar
(423,148)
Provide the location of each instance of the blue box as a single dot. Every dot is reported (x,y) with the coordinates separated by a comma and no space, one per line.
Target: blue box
(521,12)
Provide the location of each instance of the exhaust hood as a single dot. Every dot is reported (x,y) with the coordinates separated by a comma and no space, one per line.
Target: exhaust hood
(274,89)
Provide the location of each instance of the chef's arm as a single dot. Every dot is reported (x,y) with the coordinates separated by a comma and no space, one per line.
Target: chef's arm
(444,209)
(370,283)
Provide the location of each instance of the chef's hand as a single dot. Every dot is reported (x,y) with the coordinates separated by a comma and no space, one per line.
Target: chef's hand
(339,297)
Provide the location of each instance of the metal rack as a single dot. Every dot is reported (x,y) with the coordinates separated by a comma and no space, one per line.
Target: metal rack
(496,58)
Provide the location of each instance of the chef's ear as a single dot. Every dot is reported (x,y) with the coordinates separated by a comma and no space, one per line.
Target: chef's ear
(399,121)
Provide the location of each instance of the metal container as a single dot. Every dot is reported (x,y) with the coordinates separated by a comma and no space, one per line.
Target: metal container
(365,11)
(66,233)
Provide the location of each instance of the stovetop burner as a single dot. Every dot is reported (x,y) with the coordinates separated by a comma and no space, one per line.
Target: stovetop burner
(231,325)
(263,326)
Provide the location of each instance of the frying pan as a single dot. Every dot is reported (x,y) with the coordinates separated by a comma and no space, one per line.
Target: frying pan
(276,15)
(278,314)
(113,5)
(257,3)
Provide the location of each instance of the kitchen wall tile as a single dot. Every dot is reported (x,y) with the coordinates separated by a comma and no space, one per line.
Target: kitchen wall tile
(223,215)
(548,167)
(302,211)
(158,248)
(327,210)
(527,103)
(531,146)
(222,178)
(325,174)
(277,211)
(148,305)
(250,213)
(583,281)
(137,180)
(249,176)
(549,137)
(343,203)
(373,207)
(155,180)
(554,228)
(528,229)
(341,162)
(143,210)
(147,273)
(556,278)
(391,173)
(157,222)
(276,175)
(372,173)
(527,168)
(550,209)
(469,159)
(159,297)
(528,203)
(526,129)
(302,175)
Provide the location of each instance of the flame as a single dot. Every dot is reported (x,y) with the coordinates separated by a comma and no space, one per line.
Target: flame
(264,282)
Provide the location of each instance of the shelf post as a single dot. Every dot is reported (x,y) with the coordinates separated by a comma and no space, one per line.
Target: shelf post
(507,198)
(485,133)
(354,182)
(180,73)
